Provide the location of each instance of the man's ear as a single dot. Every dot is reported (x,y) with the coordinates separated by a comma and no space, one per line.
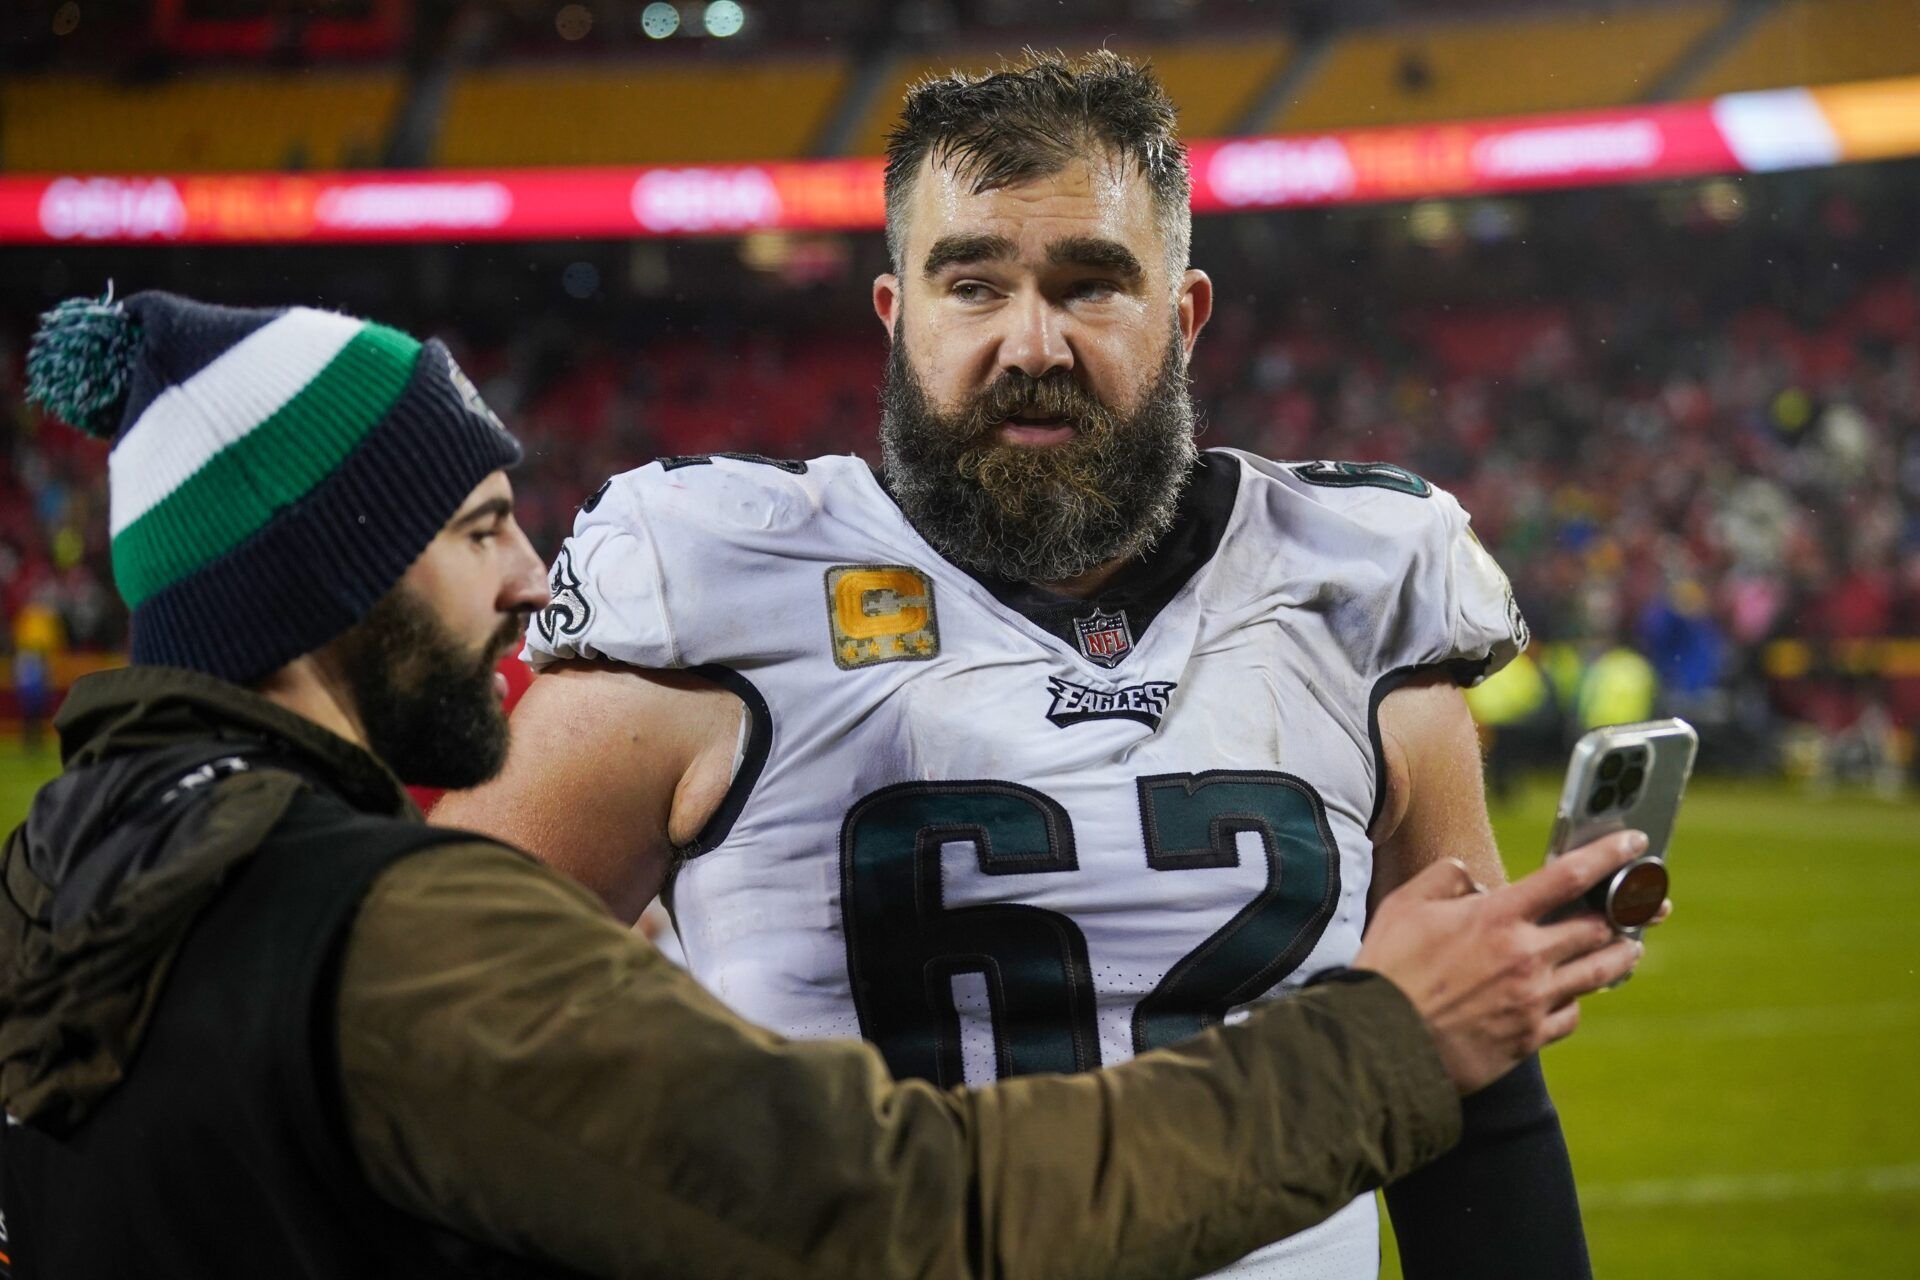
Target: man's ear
(886,301)
(1195,306)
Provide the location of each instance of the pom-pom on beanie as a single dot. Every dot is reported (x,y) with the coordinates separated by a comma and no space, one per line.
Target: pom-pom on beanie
(273,473)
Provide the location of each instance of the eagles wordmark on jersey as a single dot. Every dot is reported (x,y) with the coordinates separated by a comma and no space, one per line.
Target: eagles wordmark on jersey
(995,830)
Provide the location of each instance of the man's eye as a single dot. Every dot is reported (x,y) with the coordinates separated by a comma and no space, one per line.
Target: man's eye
(1095,290)
(971,291)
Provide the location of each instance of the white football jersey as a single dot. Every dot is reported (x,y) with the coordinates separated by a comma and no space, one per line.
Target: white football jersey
(997,831)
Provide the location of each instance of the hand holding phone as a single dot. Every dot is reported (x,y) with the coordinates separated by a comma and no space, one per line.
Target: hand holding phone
(1626,776)
(1471,961)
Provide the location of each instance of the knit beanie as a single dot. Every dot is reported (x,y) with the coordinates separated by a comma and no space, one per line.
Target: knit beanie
(273,473)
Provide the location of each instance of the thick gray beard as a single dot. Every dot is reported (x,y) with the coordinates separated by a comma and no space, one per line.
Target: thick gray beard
(1038,515)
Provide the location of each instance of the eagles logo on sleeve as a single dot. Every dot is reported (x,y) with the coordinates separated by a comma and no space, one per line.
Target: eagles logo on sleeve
(1493,580)
(567,612)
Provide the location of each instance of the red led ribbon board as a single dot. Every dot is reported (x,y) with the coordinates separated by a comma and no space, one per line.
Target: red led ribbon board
(1737,133)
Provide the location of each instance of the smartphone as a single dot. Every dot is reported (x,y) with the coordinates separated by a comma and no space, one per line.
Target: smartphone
(1626,776)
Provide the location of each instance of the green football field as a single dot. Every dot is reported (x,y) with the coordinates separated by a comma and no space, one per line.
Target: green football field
(1749,1105)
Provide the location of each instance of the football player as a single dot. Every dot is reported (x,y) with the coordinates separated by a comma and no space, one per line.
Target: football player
(1058,739)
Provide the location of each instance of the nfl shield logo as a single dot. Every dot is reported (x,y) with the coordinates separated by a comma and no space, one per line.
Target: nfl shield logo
(1104,638)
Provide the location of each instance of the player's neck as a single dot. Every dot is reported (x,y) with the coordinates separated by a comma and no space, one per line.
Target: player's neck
(1089,584)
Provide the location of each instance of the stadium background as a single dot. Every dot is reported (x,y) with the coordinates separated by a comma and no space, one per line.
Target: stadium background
(1684,411)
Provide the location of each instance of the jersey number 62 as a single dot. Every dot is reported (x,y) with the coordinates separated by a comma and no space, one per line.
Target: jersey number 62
(905,945)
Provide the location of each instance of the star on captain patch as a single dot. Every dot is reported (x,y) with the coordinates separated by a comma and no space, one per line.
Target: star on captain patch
(880,613)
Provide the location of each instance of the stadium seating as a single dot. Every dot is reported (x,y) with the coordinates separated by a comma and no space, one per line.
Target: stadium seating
(1215,82)
(655,112)
(743,105)
(1819,42)
(1496,66)
(206,123)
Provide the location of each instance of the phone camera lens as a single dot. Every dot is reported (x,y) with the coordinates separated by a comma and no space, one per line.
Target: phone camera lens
(1611,766)
(1602,800)
(1632,778)
(1638,755)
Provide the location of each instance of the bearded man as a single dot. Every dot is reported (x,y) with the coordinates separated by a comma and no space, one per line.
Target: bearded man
(1058,740)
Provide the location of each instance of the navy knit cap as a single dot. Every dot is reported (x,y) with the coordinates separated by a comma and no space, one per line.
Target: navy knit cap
(273,472)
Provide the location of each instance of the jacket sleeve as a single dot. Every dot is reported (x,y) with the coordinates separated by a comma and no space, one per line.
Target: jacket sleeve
(520,1069)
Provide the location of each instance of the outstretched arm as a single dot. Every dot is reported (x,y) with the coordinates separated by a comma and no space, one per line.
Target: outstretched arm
(520,1069)
(611,769)
(1503,1202)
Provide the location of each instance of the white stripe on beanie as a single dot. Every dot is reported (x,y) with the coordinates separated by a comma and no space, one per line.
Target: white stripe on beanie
(186,425)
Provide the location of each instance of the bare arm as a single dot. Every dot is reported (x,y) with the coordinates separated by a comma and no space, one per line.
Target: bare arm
(611,769)
(1436,802)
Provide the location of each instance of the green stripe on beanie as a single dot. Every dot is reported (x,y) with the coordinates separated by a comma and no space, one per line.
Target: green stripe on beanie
(270,467)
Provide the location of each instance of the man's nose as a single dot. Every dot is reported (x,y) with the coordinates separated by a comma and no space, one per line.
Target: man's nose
(525,588)
(1037,343)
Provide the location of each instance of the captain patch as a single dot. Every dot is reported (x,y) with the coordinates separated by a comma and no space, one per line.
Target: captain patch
(880,613)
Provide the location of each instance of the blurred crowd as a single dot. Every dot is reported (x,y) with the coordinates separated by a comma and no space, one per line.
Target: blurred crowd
(1689,430)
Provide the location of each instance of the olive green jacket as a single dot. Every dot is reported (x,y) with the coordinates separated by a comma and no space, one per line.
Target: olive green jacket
(519,1068)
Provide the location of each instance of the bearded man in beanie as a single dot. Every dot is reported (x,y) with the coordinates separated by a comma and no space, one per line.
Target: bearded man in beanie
(257,1019)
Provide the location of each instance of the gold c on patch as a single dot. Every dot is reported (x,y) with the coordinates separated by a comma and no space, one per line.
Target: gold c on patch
(880,613)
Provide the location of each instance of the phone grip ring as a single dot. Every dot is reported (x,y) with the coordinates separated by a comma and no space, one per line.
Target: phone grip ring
(1630,898)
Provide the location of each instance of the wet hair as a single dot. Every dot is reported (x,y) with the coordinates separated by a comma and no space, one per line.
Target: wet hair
(1030,119)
